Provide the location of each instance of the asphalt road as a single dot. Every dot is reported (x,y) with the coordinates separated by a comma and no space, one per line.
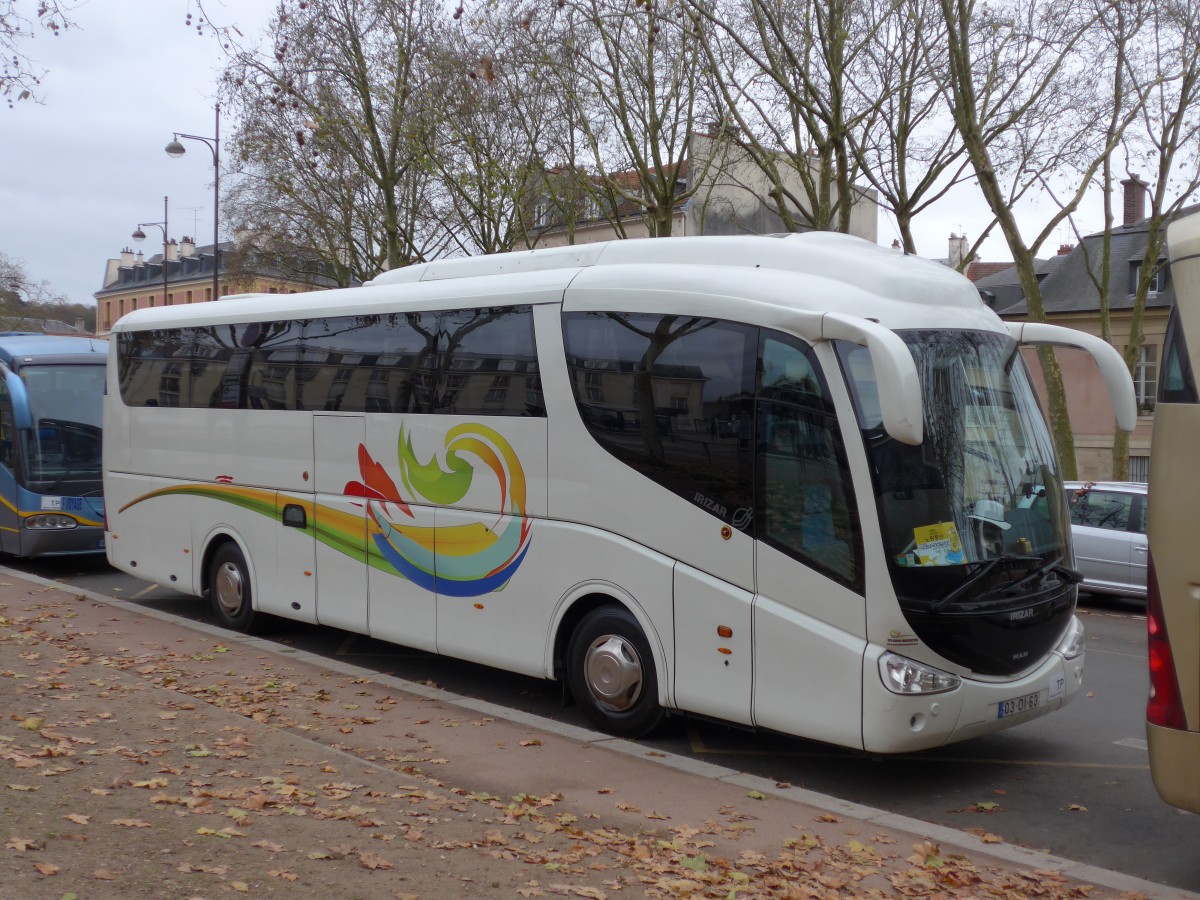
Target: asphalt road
(1075,783)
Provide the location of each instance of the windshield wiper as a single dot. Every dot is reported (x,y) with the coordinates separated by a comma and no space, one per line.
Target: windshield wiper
(985,569)
(1066,573)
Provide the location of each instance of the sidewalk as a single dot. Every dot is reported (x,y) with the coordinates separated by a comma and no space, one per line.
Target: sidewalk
(142,756)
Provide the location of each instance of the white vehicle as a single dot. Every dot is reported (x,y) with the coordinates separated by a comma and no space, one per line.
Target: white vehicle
(1173,598)
(779,481)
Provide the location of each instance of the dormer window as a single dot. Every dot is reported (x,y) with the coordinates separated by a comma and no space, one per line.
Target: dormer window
(1158,282)
(543,212)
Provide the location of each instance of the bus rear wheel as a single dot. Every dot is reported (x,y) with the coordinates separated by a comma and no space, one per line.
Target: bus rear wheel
(229,589)
(610,671)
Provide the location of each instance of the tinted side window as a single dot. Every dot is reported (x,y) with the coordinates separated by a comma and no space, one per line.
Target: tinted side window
(806,502)
(1103,509)
(1178,383)
(153,367)
(488,364)
(671,396)
(469,362)
(366,363)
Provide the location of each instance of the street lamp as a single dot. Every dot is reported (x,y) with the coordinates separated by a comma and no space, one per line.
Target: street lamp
(139,236)
(175,150)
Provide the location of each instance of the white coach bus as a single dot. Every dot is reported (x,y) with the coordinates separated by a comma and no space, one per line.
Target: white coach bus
(800,483)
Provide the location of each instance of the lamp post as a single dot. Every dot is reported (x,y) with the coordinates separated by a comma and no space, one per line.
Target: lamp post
(175,150)
(139,236)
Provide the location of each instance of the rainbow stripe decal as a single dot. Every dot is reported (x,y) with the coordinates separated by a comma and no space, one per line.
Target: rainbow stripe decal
(466,560)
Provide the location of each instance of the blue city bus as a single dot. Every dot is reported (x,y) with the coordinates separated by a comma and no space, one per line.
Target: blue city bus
(51,402)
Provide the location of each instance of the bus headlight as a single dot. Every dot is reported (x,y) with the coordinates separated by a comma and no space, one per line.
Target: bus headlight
(1072,643)
(53,522)
(902,675)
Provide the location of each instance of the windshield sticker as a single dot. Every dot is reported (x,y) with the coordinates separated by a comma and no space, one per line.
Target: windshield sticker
(938,545)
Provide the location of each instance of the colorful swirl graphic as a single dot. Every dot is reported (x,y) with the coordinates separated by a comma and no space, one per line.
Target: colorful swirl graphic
(455,560)
(466,560)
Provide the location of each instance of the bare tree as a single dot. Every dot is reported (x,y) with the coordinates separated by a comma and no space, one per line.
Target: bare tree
(500,109)
(908,148)
(782,70)
(1012,81)
(348,82)
(20,75)
(634,78)
(1162,68)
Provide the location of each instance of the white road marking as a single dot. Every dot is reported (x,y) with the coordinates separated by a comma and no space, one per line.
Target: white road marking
(1133,743)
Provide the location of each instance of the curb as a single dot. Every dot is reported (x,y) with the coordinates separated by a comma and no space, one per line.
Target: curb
(940,834)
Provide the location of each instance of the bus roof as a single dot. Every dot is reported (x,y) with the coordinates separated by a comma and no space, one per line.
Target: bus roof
(17,347)
(839,267)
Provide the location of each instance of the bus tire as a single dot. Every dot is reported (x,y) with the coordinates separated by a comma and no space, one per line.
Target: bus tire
(611,673)
(229,589)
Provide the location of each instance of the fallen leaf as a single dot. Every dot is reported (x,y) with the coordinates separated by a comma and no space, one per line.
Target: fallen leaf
(533,742)
(47,868)
(131,823)
(77,819)
(21,844)
(371,861)
(757,795)
(104,875)
(268,845)
(1076,807)
(21,787)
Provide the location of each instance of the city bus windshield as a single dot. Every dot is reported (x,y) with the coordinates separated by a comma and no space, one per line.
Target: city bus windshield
(984,484)
(65,407)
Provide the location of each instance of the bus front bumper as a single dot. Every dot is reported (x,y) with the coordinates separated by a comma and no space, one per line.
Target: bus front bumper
(895,723)
(77,541)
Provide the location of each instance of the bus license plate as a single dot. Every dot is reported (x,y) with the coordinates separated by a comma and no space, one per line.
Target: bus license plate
(1018,705)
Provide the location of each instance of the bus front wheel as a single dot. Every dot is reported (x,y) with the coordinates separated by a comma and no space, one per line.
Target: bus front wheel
(229,588)
(611,673)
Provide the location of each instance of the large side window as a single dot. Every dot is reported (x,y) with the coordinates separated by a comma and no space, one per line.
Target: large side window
(488,364)
(467,362)
(8,431)
(269,355)
(1103,509)
(210,354)
(153,367)
(671,396)
(805,499)
(1178,383)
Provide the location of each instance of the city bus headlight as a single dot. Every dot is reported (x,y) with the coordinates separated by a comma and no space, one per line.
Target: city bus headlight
(902,675)
(1072,643)
(52,522)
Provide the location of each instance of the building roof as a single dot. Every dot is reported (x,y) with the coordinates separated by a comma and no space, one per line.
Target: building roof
(1068,287)
(197,266)
(1001,288)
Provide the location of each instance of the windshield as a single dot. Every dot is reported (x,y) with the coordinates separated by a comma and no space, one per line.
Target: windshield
(984,484)
(65,405)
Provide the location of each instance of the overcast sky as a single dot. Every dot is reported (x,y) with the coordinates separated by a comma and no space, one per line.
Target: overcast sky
(80,170)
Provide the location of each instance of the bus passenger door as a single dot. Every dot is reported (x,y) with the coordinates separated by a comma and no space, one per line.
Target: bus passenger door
(340,523)
(810,610)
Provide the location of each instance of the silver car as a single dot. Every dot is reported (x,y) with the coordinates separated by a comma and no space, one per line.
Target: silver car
(1108,531)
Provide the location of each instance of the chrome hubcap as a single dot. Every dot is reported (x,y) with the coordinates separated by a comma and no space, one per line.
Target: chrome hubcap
(613,670)
(229,588)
